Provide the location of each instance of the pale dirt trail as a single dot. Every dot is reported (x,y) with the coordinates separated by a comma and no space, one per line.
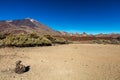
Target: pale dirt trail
(63,62)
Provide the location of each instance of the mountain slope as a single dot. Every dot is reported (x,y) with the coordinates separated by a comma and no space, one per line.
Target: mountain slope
(29,25)
(25,26)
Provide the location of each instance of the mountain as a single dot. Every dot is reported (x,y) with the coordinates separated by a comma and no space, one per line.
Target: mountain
(29,25)
(113,35)
(26,25)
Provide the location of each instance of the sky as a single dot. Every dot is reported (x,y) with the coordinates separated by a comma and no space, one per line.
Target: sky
(90,16)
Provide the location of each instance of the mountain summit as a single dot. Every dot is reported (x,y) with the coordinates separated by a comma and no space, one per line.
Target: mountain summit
(26,25)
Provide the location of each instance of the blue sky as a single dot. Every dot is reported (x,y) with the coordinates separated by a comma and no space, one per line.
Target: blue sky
(91,16)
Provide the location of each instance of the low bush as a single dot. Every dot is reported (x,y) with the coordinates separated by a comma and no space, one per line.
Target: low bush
(2,36)
(25,40)
(57,40)
(60,41)
(29,40)
(113,41)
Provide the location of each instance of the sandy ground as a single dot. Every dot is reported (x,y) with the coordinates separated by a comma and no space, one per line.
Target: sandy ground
(63,62)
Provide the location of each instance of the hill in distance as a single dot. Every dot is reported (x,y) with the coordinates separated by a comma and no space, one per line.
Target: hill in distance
(26,25)
(29,25)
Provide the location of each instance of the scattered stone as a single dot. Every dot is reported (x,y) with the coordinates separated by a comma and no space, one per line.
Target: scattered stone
(20,68)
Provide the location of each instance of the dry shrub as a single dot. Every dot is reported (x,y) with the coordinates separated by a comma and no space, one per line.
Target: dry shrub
(113,41)
(57,40)
(29,40)
(25,40)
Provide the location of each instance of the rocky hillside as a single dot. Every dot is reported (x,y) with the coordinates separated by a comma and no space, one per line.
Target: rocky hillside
(29,25)
(26,25)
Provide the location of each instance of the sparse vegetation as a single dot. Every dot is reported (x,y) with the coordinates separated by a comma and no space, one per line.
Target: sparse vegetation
(2,36)
(33,39)
(56,40)
(29,40)
(113,41)
(60,41)
(25,40)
